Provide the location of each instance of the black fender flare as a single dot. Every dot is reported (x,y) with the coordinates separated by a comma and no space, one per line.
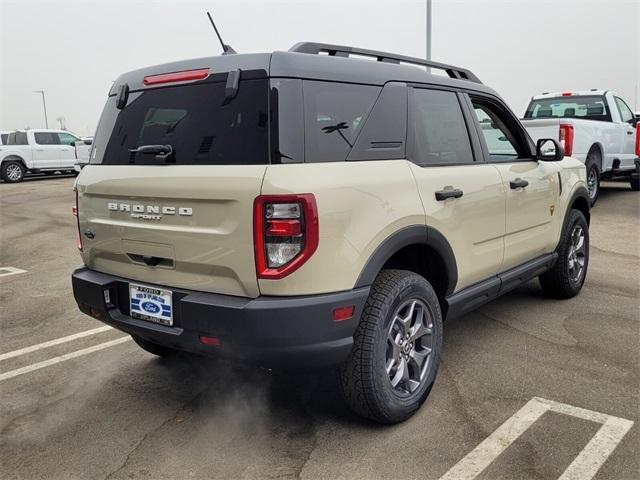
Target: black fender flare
(579,192)
(414,234)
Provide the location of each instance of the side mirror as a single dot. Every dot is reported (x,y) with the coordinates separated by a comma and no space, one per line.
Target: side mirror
(88,142)
(549,150)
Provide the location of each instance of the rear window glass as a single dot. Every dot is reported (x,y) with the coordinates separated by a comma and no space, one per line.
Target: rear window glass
(17,138)
(587,107)
(193,120)
(334,114)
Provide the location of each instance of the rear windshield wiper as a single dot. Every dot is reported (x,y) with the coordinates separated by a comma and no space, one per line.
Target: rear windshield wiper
(162,152)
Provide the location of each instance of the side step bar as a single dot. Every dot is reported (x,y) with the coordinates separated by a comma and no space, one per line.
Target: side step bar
(480,293)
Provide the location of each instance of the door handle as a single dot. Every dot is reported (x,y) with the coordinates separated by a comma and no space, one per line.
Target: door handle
(630,132)
(151,261)
(39,149)
(518,183)
(444,194)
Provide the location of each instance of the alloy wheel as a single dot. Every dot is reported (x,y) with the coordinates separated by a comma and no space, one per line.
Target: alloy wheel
(577,254)
(592,182)
(409,347)
(13,172)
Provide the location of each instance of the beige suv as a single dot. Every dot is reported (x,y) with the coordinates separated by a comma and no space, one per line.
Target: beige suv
(308,209)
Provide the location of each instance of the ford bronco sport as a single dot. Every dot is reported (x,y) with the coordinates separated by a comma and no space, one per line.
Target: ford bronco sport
(309,209)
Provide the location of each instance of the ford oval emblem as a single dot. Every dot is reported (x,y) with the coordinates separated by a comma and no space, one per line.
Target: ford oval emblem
(150,307)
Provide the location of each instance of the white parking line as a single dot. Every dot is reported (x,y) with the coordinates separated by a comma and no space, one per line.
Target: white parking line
(51,343)
(62,358)
(6,271)
(583,467)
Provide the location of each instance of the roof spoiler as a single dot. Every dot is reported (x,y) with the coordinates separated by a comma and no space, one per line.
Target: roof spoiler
(344,51)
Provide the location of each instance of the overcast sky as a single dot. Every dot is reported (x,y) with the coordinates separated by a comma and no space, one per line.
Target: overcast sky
(74,50)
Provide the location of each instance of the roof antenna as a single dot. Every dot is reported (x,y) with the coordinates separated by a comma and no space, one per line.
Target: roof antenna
(226,49)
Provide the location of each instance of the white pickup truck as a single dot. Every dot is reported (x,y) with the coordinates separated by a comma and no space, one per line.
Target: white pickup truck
(596,127)
(35,151)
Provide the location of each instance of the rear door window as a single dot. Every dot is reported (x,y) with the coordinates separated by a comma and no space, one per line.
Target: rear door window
(195,120)
(17,138)
(334,114)
(438,130)
(46,138)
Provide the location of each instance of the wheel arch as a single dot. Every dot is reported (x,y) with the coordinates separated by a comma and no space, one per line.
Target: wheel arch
(579,200)
(597,147)
(14,158)
(420,249)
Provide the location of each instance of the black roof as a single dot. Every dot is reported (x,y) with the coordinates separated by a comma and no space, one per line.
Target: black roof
(304,61)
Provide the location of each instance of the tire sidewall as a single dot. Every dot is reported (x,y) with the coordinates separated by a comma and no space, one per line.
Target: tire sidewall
(399,407)
(576,218)
(592,166)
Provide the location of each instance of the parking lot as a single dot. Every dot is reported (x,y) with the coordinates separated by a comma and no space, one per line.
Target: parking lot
(562,378)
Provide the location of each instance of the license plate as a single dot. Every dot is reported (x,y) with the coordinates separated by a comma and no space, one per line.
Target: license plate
(151,304)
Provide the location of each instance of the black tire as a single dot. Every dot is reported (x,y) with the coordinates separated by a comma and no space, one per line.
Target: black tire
(365,380)
(159,350)
(634,178)
(561,281)
(12,171)
(593,177)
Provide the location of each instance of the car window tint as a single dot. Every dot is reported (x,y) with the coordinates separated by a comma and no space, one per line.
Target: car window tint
(439,131)
(334,115)
(496,134)
(46,138)
(197,121)
(17,138)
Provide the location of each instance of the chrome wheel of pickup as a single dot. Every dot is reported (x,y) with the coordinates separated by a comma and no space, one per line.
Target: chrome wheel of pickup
(14,172)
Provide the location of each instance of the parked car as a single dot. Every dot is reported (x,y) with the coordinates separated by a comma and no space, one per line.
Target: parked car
(596,127)
(83,150)
(35,151)
(304,210)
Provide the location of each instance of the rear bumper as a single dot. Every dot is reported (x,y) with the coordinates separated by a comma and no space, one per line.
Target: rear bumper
(293,332)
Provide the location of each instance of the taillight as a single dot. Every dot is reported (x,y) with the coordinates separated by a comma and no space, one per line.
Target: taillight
(74,210)
(638,139)
(565,137)
(175,77)
(285,233)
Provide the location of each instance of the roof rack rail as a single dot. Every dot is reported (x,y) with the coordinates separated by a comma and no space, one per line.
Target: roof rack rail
(344,51)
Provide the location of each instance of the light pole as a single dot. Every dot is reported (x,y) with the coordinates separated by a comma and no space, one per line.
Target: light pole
(428,30)
(44,105)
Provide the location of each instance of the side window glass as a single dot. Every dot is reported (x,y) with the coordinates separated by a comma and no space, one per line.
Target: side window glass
(503,143)
(438,129)
(67,139)
(18,138)
(334,114)
(46,138)
(625,112)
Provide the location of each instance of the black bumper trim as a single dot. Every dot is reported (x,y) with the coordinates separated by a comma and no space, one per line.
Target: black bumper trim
(294,332)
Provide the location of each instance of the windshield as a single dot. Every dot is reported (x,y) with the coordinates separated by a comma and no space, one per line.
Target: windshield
(587,107)
(186,125)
